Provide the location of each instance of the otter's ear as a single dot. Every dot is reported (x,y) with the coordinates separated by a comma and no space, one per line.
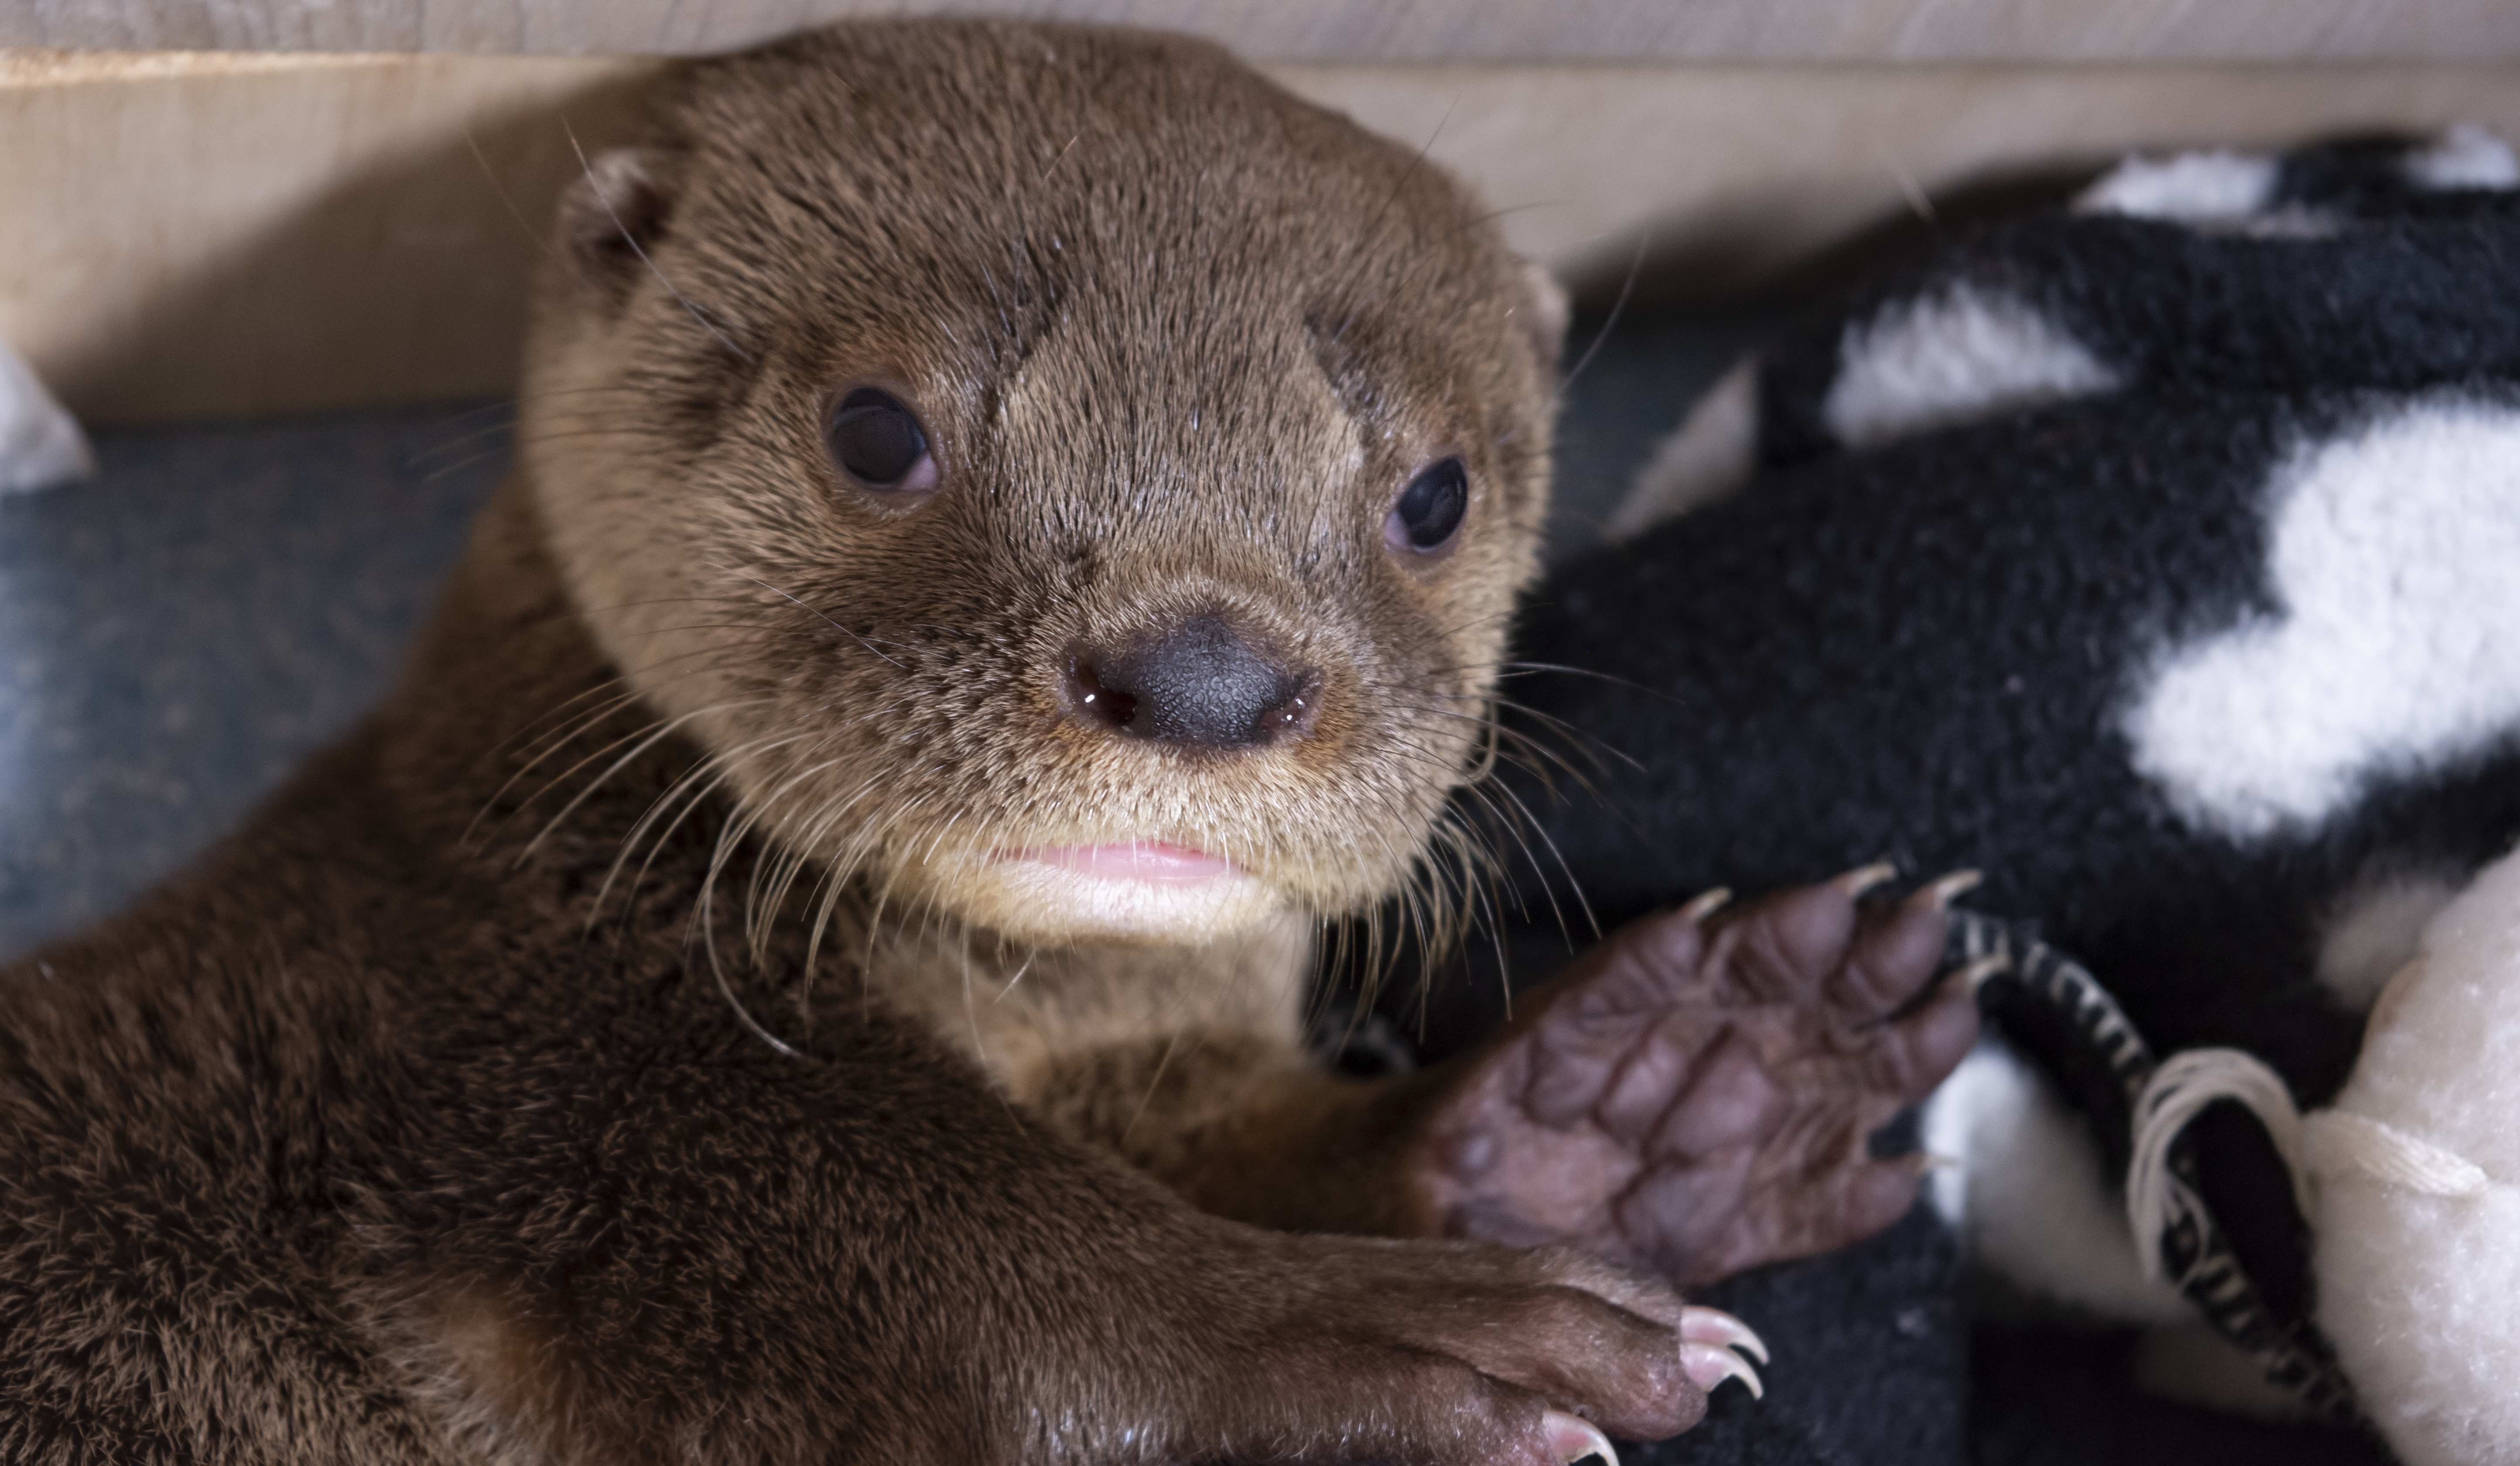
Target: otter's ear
(613,216)
(1542,312)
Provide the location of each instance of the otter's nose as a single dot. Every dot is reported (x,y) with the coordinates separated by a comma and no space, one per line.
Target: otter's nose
(1199,683)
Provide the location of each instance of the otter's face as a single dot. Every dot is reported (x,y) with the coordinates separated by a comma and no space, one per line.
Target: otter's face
(1063,481)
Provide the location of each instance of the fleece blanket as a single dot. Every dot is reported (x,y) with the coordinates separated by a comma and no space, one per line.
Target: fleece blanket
(2158,557)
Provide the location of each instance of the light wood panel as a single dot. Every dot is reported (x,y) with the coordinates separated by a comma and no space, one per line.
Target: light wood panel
(1359,30)
(195,237)
(206,236)
(1730,171)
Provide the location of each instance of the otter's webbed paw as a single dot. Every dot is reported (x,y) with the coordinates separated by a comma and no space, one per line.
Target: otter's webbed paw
(1442,1352)
(1694,1095)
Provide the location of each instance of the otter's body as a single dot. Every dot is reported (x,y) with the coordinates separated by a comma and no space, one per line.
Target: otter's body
(1012,526)
(306,1151)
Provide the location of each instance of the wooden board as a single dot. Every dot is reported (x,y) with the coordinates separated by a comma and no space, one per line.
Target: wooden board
(203,237)
(1359,30)
(1728,172)
(208,236)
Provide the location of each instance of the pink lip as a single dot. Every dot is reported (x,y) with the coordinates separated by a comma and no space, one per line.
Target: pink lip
(1149,861)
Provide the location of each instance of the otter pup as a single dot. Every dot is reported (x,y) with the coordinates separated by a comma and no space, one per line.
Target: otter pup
(1012,525)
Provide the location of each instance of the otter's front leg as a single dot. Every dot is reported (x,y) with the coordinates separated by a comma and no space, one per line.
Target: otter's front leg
(1693,1098)
(1247,1123)
(702,1251)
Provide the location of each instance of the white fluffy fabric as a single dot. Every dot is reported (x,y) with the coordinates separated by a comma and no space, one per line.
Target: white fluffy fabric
(2024,1187)
(1961,353)
(2420,1279)
(2392,554)
(2372,932)
(2219,187)
(2465,157)
(1707,456)
(41,443)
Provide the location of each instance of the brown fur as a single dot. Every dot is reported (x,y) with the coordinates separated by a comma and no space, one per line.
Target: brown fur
(626,1047)
(413,1124)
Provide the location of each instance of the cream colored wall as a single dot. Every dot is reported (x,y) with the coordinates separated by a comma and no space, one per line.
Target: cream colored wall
(205,235)
(208,236)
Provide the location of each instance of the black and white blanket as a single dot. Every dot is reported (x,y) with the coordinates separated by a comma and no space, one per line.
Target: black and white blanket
(2160,558)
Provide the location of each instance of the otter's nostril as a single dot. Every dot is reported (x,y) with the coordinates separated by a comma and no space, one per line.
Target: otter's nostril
(1201,683)
(1093,701)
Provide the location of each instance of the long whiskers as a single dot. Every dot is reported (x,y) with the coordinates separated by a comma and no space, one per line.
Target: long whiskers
(726,989)
(835,626)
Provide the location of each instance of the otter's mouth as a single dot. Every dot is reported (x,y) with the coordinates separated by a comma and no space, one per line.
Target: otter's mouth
(1143,889)
(1153,862)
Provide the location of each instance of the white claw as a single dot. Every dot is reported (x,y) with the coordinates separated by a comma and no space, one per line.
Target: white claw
(1975,974)
(1863,877)
(1952,888)
(1715,1326)
(1706,904)
(1574,1438)
(1708,1365)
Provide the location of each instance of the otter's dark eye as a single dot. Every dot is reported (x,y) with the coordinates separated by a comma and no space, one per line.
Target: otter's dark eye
(1430,508)
(878,442)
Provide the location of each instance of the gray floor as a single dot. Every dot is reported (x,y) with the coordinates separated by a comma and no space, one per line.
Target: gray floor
(177,633)
(220,601)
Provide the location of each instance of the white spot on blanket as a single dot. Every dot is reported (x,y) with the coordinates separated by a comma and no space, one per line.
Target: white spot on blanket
(2464,157)
(2028,1195)
(1707,456)
(2219,187)
(2392,555)
(1960,353)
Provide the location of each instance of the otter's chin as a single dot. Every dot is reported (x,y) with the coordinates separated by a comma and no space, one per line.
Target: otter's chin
(1129,891)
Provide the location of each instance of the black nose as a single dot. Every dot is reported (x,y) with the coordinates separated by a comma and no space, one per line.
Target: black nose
(1199,683)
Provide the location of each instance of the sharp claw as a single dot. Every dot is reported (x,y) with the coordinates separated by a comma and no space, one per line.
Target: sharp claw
(1951,888)
(1708,1365)
(1974,976)
(1574,1438)
(1715,1326)
(1706,904)
(1863,877)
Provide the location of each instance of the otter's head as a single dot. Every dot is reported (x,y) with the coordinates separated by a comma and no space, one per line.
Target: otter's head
(1064,481)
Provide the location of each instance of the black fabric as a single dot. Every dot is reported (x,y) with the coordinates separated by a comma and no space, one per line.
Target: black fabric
(2062,1397)
(1919,655)
(2058,1016)
(1885,1313)
(1920,651)
(2353,279)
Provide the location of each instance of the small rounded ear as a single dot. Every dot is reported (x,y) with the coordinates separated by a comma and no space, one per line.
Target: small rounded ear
(1543,313)
(612,217)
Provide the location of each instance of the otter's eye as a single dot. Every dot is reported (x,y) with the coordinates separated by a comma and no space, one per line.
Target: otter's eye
(1430,510)
(878,443)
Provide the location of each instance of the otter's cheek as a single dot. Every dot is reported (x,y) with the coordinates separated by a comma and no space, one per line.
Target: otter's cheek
(1128,891)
